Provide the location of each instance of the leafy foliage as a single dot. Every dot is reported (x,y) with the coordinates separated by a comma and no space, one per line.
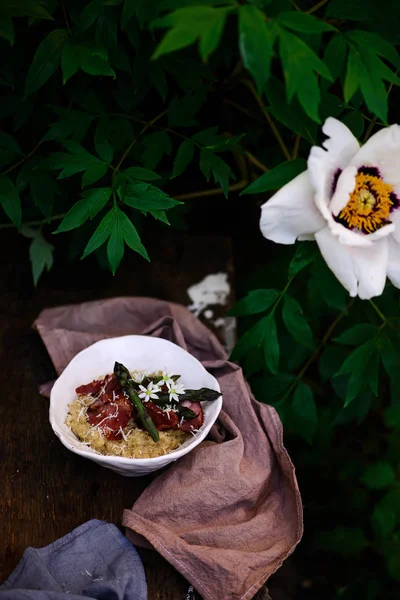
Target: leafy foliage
(113,111)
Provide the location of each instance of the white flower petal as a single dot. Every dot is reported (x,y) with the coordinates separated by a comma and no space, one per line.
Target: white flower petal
(345,185)
(340,147)
(395,218)
(382,232)
(348,237)
(362,271)
(291,212)
(341,143)
(382,151)
(337,257)
(393,268)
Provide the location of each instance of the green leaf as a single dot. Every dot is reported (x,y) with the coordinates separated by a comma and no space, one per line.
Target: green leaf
(70,60)
(76,161)
(357,364)
(24,8)
(365,71)
(119,229)
(291,115)
(305,254)
(128,12)
(140,173)
(174,40)
(156,145)
(145,196)
(253,338)
(9,148)
(335,56)
(270,343)
(355,122)
(92,202)
(256,301)
(183,157)
(46,60)
(131,236)
(41,256)
(348,541)
(43,190)
(359,334)
(277,177)
(376,44)
(378,475)
(225,144)
(305,411)
(300,21)
(158,79)
(383,520)
(392,416)
(182,110)
(256,41)
(211,36)
(211,163)
(73,124)
(93,174)
(388,355)
(93,64)
(324,284)
(300,64)
(9,200)
(101,140)
(7,29)
(296,323)
(115,248)
(203,23)
(101,234)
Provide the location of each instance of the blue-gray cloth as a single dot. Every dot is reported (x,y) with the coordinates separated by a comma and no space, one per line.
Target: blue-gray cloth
(93,561)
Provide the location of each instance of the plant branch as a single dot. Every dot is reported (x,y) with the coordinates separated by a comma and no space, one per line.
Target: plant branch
(20,162)
(296,145)
(317,352)
(143,130)
(379,312)
(374,120)
(270,122)
(316,7)
(256,162)
(38,222)
(65,17)
(213,192)
(143,122)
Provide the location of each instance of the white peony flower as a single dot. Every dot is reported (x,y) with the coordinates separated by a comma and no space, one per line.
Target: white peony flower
(348,202)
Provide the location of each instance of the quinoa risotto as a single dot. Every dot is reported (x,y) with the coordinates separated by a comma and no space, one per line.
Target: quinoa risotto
(136,414)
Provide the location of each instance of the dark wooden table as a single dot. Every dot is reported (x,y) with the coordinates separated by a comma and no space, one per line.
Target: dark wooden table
(46,491)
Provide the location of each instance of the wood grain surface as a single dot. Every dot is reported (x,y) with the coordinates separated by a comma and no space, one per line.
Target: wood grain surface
(46,491)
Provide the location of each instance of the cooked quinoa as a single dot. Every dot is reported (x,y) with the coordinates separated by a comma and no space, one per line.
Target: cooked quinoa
(136,443)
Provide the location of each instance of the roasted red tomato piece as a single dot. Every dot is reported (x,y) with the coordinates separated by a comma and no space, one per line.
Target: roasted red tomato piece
(111,384)
(161,418)
(110,417)
(90,388)
(189,424)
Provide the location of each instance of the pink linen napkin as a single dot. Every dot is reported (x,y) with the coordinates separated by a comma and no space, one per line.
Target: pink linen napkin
(227,514)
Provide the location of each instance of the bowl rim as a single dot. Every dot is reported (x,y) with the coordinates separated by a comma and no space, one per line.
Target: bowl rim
(120,460)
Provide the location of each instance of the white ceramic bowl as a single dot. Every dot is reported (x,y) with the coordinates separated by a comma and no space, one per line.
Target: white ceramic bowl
(136,352)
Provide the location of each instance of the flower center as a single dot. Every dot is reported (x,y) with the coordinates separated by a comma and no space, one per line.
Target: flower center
(370,204)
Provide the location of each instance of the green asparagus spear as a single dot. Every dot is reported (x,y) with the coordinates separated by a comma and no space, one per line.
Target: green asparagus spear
(183,411)
(124,377)
(201,395)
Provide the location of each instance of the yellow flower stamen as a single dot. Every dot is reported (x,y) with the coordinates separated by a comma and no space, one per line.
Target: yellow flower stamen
(369,205)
